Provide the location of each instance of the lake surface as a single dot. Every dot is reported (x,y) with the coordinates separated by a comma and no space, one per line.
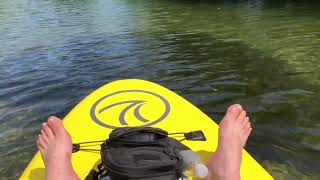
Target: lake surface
(262,54)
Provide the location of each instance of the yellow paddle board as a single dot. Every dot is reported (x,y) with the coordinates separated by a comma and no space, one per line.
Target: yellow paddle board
(136,102)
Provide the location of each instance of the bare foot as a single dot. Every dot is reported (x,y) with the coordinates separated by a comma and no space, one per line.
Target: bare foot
(234,131)
(55,146)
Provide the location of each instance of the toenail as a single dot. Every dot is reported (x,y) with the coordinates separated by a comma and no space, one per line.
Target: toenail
(235,107)
(52,119)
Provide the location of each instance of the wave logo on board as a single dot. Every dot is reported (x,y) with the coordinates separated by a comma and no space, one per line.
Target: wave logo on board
(111,111)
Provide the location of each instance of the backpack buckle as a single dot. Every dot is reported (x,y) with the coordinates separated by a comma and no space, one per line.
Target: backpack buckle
(195,136)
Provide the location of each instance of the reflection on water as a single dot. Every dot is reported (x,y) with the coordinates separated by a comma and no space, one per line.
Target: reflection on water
(262,55)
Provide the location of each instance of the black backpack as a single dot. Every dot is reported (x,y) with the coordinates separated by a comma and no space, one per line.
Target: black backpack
(142,153)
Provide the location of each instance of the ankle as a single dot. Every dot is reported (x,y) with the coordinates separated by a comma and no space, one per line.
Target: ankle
(222,171)
(63,171)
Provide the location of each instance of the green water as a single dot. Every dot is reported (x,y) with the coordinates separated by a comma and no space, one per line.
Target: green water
(262,54)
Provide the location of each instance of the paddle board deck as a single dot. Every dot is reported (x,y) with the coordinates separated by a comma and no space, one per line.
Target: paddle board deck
(136,102)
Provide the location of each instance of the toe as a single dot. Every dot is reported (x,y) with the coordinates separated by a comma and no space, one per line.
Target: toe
(40,142)
(234,108)
(55,125)
(247,133)
(233,111)
(241,118)
(47,130)
(44,137)
(246,126)
(246,136)
(244,122)
(40,147)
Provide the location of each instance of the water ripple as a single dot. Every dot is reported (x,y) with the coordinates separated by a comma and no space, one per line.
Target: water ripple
(261,54)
